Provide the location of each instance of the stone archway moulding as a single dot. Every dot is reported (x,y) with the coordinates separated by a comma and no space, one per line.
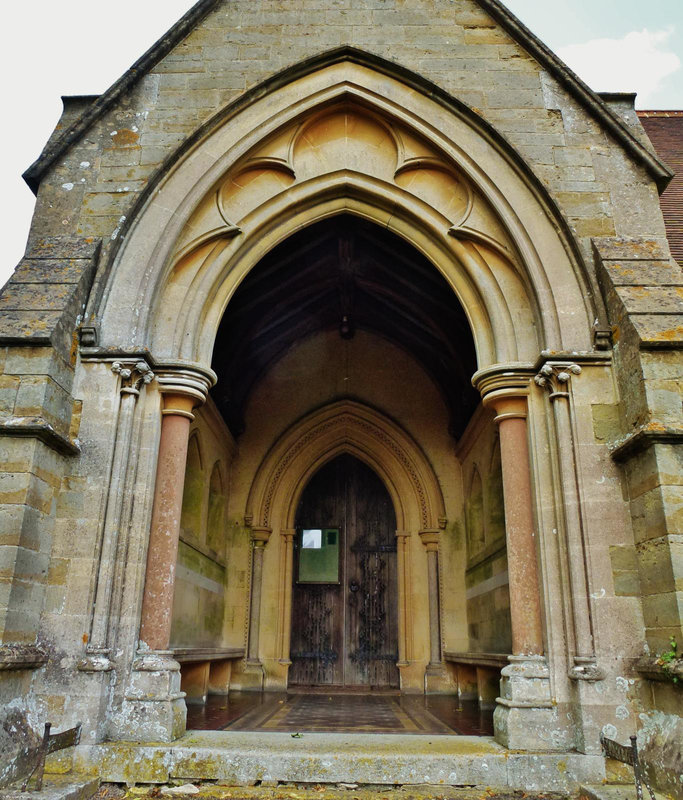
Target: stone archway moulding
(345,427)
(452,191)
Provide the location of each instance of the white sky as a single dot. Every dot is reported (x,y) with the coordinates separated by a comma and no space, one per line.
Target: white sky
(57,48)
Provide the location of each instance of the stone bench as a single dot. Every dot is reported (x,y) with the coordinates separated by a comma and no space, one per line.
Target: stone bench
(478,675)
(205,670)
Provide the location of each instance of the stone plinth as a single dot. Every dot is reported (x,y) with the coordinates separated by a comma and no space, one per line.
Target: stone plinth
(524,718)
(154,707)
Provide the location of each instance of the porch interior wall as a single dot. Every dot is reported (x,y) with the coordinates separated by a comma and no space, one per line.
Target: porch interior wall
(483,526)
(210,590)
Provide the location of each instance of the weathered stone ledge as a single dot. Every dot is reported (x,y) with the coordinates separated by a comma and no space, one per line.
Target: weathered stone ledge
(39,429)
(651,668)
(21,656)
(645,437)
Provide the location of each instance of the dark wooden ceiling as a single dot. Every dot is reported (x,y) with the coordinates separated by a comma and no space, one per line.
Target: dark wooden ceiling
(345,274)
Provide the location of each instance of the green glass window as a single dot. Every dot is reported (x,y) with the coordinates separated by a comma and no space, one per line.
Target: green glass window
(318,555)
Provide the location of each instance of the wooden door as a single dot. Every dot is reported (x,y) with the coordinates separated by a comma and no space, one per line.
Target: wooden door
(345,632)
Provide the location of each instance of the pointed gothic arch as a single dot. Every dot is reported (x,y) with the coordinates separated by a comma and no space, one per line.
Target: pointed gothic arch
(346,427)
(504,254)
(350,427)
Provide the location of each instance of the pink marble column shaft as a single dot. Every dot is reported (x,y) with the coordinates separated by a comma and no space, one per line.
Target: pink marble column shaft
(157,601)
(525,605)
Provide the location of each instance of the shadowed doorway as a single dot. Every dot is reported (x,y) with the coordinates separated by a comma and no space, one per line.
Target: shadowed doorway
(344,605)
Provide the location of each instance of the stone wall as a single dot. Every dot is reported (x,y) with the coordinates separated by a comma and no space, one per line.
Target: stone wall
(458,46)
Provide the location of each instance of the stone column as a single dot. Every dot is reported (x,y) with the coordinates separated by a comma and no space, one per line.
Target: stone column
(430,539)
(154,709)
(525,607)
(106,608)
(286,595)
(162,553)
(523,718)
(555,378)
(259,540)
(402,539)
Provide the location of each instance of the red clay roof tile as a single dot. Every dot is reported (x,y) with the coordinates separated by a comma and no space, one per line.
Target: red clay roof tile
(665,130)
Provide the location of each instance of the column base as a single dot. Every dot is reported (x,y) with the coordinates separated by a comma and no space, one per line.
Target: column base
(586,669)
(249,676)
(154,707)
(437,679)
(525,718)
(96,660)
(412,676)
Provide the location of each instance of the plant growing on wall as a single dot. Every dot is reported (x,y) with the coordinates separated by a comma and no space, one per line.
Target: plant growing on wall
(668,660)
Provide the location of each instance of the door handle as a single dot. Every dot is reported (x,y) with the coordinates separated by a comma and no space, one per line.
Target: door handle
(353,586)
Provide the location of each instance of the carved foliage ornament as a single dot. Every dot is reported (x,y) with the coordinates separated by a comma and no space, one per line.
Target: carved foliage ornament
(134,375)
(555,377)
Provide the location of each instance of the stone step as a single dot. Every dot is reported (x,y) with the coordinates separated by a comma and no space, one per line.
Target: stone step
(55,787)
(331,792)
(241,759)
(620,791)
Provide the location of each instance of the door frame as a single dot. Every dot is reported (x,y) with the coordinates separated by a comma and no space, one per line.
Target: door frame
(346,427)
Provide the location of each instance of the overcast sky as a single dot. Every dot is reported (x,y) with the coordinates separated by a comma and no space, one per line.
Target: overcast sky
(82,46)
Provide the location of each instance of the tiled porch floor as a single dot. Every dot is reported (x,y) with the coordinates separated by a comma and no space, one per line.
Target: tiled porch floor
(341,713)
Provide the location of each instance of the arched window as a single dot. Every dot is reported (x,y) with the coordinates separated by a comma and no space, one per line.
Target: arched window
(215,526)
(193,492)
(475,514)
(496,507)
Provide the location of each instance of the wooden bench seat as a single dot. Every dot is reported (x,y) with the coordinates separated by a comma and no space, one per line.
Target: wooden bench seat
(477,675)
(205,670)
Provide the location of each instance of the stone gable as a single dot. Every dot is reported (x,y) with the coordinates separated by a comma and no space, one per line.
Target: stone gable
(456,45)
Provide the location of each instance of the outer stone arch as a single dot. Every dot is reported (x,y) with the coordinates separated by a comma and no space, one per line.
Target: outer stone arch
(539,258)
(346,427)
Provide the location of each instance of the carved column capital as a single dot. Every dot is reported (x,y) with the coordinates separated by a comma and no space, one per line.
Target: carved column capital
(134,375)
(503,379)
(260,536)
(554,376)
(288,534)
(430,538)
(504,388)
(184,381)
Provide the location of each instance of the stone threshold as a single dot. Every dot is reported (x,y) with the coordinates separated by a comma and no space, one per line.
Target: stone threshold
(244,758)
